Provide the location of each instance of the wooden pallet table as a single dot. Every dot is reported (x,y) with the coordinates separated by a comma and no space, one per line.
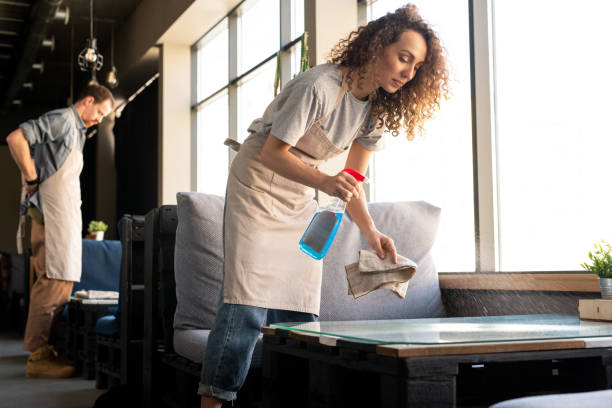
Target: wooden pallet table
(309,369)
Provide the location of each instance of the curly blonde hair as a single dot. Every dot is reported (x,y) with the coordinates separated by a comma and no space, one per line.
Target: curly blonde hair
(418,99)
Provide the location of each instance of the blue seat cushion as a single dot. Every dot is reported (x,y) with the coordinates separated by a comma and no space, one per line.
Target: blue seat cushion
(108,326)
(101,268)
(114,310)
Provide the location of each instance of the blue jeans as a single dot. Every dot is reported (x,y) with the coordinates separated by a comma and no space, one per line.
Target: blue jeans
(231,343)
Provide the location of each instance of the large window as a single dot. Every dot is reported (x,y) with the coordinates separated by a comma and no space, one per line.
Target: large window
(553,133)
(212,55)
(258,32)
(438,166)
(212,154)
(235,65)
(517,159)
(254,94)
(212,114)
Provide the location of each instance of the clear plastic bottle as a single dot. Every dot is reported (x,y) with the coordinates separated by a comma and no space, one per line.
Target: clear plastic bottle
(324,224)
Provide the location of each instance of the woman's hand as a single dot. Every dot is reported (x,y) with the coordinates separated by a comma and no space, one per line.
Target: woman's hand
(342,185)
(381,244)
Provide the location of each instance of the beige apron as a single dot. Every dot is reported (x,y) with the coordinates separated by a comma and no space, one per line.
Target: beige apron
(61,198)
(265,217)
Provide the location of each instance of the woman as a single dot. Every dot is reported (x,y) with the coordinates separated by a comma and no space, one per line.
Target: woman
(389,74)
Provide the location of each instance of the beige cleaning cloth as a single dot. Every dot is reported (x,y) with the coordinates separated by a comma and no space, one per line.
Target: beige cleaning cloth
(372,273)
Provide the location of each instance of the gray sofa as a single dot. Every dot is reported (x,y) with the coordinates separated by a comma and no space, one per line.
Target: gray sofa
(198,269)
(183,273)
(595,399)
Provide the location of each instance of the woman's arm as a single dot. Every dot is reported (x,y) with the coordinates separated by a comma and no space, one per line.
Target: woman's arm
(358,159)
(276,156)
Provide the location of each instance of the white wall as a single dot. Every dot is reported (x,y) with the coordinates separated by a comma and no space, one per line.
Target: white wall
(174,122)
(326,23)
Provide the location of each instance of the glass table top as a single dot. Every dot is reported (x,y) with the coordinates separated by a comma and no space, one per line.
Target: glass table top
(457,330)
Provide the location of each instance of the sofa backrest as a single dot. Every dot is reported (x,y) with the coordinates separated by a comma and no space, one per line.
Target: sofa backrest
(101,266)
(198,259)
(198,263)
(412,226)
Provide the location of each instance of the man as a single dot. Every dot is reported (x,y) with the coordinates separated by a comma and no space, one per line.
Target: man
(49,153)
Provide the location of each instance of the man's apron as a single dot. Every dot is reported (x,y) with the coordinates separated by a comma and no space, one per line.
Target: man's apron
(265,216)
(61,198)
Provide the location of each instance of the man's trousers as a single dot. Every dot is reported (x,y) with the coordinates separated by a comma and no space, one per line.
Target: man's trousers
(48,296)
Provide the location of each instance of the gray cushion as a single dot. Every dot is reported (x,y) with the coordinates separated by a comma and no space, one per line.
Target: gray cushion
(596,399)
(199,265)
(191,344)
(412,226)
(198,259)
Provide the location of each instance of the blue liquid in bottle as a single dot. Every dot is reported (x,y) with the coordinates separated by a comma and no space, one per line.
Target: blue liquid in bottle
(320,233)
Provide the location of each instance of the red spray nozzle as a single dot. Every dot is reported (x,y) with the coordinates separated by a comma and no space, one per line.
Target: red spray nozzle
(358,176)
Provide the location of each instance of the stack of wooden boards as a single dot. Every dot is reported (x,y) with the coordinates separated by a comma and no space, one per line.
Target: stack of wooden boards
(595,309)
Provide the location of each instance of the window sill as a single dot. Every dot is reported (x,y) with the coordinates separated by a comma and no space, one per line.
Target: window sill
(540,281)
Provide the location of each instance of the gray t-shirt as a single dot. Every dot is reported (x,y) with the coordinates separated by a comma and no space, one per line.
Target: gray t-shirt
(308,98)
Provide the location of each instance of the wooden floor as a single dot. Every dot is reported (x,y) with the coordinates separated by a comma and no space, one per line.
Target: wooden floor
(17,391)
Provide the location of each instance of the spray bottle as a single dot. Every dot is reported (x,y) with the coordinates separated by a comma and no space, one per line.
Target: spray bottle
(323,227)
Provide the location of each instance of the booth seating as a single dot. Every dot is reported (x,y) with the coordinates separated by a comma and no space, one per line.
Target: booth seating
(184,257)
(101,265)
(108,325)
(119,335)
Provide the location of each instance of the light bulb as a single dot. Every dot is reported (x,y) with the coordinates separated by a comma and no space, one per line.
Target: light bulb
(91,55)
(111,77)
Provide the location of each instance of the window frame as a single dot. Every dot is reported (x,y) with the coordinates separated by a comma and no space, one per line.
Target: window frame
(484,141)
(286,43)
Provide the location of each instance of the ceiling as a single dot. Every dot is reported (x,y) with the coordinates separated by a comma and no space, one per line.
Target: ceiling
(61,75)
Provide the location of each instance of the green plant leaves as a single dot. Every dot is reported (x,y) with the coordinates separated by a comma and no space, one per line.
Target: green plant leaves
(277,74)
(304,62)
(601,260)
(97,226)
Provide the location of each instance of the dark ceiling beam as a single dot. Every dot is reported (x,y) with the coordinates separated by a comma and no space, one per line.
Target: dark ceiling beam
(97,20)
(11,19)
(14,3)
(42,13)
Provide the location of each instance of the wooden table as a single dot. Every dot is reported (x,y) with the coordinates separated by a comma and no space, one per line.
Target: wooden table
(80,332)
(323,370)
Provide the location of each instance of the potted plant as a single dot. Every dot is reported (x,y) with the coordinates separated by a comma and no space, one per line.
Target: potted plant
(97,229)
(601,264)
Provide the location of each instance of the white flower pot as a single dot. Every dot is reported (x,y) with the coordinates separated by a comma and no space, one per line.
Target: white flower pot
(605,285)
(99,235)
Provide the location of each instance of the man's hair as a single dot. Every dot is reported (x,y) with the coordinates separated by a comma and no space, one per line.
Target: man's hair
(100,93)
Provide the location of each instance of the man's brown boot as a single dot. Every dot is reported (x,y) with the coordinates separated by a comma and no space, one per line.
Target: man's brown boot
(61,358)
(45,363)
